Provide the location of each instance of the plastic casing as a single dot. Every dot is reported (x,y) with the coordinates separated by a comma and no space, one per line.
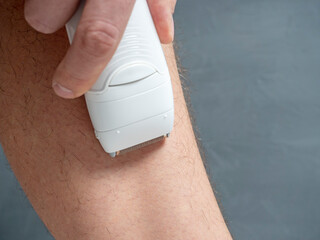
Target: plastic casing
(132,100)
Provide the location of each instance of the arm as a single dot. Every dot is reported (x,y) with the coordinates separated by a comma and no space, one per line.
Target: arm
(159,192)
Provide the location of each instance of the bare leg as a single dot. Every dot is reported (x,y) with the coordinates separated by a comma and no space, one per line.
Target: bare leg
(159,192)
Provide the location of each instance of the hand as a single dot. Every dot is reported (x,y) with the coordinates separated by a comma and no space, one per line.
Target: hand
(98,35)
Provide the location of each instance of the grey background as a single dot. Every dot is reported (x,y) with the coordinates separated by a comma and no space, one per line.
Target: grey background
(254,68)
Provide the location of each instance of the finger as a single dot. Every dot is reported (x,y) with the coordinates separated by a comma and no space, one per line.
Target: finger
(161,11)
(47,16)
(99,32)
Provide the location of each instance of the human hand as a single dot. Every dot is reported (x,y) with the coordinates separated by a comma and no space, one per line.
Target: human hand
(98,35)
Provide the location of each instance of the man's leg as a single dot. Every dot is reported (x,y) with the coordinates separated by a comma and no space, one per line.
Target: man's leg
(159,192)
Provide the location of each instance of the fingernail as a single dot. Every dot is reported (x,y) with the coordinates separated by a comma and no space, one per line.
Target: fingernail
(40,26)
(172,29)
(62,91)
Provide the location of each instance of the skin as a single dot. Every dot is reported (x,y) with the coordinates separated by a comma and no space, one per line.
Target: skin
(158,192)
(97,37)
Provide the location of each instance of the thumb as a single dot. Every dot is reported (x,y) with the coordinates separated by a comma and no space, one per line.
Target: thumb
(99,32)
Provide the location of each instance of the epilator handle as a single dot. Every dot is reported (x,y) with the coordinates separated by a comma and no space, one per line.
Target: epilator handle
(139,45)
(131,103)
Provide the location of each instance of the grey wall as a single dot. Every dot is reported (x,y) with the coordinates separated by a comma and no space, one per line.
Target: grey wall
(254,68)
(18,220)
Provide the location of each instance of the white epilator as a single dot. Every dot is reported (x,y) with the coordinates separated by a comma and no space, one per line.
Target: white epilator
(131,103)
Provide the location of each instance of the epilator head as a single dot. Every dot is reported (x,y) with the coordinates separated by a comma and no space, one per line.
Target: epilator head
(131,103)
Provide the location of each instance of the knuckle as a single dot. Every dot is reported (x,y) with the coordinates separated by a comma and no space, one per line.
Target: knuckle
(98,37)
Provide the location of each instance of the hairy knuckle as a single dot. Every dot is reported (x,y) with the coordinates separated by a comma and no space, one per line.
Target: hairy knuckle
(99,37)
